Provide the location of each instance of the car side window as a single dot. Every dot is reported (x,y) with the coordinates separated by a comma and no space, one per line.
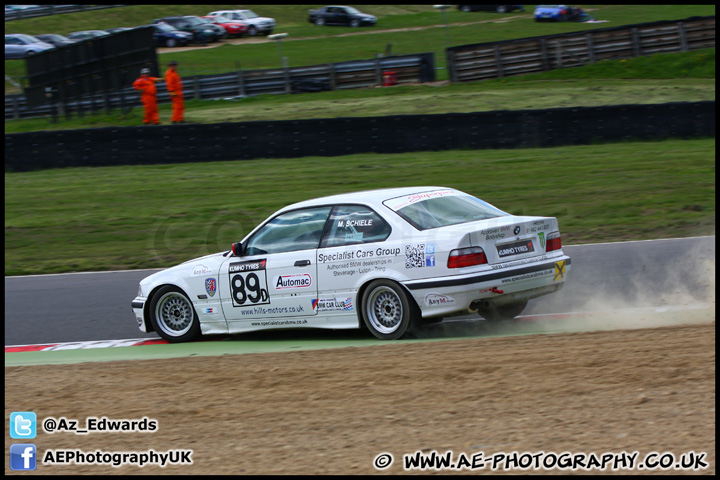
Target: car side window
(355,224)
(289,232)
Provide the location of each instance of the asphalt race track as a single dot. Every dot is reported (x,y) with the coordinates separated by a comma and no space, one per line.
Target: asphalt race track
(96,306)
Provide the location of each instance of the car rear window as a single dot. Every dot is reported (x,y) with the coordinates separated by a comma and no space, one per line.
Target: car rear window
(442,208)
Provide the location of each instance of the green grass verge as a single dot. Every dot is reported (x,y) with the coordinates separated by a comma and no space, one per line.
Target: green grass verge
(80,219)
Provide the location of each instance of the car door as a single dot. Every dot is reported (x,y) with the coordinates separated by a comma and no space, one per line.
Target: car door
(342,17)
(276,276)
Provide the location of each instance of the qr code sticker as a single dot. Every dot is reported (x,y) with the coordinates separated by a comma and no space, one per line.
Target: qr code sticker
(415,256)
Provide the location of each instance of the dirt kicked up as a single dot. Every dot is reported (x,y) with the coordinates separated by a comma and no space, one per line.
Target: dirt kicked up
(643,391)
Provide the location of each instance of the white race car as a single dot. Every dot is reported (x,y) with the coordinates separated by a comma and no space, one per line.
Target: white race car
(389,260)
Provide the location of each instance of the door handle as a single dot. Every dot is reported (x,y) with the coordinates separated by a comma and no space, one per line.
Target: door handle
(302,263)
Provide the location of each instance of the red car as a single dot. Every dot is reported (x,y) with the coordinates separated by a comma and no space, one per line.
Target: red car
(232,27)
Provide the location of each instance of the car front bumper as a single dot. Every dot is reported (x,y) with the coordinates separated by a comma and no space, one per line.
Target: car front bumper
(138,306)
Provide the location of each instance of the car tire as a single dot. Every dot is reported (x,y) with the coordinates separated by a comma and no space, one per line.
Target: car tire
(320,22)
(387,310)
(252,31)
(173,316)
(503,312)
(354,23)
(170,42)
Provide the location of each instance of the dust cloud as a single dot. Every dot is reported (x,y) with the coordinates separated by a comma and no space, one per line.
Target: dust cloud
(614,286)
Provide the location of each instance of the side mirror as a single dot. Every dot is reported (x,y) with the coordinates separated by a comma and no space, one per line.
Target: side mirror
(237,248)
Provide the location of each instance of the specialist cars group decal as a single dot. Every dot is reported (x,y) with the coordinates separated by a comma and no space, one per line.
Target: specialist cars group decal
(248,283)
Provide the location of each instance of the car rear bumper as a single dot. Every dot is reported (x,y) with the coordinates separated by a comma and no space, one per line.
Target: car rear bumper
(455,294)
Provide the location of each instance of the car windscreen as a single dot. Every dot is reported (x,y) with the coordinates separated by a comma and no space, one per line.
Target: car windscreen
(443,208)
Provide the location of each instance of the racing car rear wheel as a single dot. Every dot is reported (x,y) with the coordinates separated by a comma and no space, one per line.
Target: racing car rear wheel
(387,311)
(173,316)
(504,312)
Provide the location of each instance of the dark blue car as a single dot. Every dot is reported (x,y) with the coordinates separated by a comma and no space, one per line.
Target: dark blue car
(165,35)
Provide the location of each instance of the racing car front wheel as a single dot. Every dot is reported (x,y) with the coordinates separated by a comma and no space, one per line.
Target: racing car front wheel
(173,316)
(504,312)
(387,311)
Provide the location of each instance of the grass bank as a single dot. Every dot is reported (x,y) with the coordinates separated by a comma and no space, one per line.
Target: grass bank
(80,219)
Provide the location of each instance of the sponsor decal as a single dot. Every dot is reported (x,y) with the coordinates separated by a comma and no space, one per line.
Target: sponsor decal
(495,233)
(396,204)
(367,222)
(200,270)
(210,310)
(559,271)
(515,248)
(248,283)
(211,286)
(541,236)
(435,299)
(296,280)
(332,304)
(247,266)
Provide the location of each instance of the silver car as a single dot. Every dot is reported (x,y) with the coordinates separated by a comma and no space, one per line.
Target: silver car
(19,45)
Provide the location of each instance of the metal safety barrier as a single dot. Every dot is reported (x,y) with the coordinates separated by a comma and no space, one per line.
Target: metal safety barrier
(416,68)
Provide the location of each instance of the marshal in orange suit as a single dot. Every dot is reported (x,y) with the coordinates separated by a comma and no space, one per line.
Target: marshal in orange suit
(173,83)
(148,95)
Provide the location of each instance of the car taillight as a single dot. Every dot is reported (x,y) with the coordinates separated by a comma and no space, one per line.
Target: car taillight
(466,257)
(554,242)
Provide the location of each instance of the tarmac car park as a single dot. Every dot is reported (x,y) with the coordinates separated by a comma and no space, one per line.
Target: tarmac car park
(389,260)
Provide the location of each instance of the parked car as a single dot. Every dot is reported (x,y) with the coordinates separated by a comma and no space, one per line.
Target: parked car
(559,13)
(338,15)
(389,260)
(165,35)
(232,27)
(202,30)
(118,29)
(256,24)
(491,8)
(87,34)
(55,39)
(19,45)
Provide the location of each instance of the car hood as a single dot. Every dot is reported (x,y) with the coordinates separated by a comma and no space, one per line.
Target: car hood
(205,265)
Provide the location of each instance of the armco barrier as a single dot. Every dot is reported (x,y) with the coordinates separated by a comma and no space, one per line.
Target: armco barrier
(417,68)
(344,136)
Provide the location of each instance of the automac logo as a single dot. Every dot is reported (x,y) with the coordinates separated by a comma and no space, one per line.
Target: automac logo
(296,280)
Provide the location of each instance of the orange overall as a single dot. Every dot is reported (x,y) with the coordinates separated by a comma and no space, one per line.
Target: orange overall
(174,87)
(146,85)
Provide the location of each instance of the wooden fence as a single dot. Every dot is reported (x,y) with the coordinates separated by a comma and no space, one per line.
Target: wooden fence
(469,63)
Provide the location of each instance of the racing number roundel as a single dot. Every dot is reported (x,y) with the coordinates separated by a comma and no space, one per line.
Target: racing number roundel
(248,283)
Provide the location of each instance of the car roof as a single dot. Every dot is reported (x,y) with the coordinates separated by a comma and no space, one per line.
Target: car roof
(370,197)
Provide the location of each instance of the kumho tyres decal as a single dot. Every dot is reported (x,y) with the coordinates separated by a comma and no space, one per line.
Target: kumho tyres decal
(248,283)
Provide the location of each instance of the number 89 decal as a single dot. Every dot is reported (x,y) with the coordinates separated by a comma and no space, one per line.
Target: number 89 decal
(248,283)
